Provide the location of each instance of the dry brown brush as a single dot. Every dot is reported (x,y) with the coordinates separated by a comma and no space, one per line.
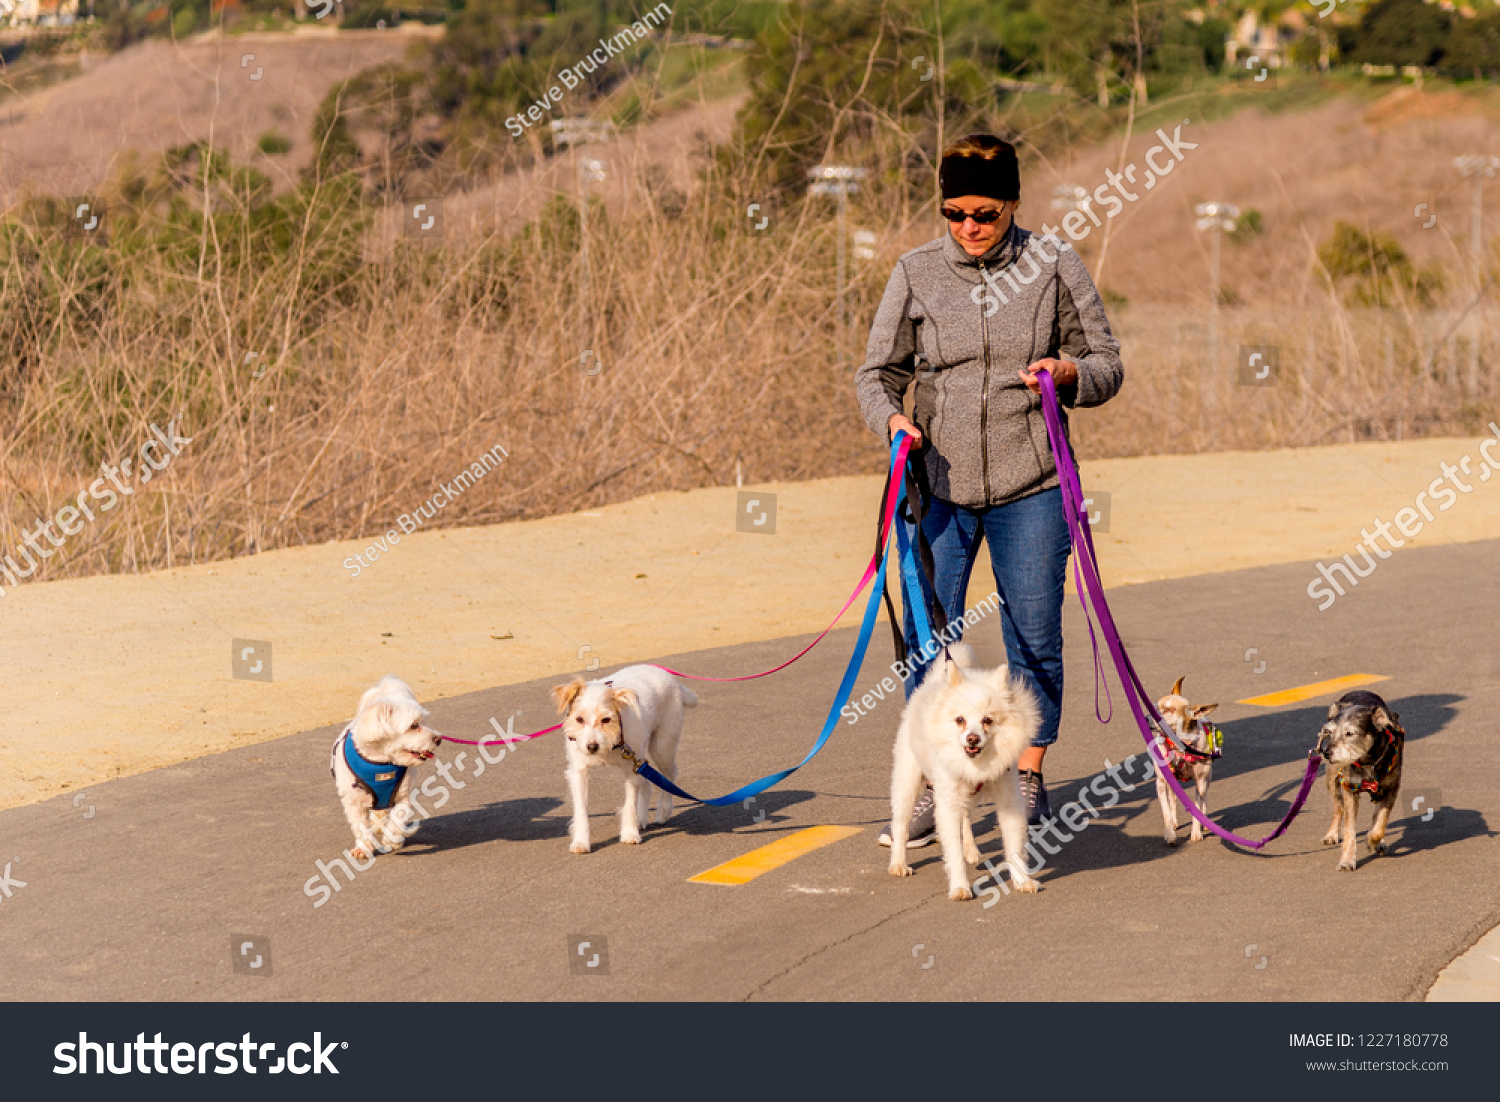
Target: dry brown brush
(331,377)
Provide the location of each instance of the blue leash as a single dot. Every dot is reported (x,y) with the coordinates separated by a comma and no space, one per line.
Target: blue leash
(846,686)
(911,586)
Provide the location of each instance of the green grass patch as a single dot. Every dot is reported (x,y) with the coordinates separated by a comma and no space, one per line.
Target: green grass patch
(273,144)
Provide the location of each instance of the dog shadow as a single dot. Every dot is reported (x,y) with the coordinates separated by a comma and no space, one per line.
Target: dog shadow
(766,815)
(546,819)
(1252,743)
(1281,738)
(1447,825)
(1110,845)
(523,820)
(1270,740)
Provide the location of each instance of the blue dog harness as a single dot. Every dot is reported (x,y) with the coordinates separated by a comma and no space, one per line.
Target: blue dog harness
(379,779)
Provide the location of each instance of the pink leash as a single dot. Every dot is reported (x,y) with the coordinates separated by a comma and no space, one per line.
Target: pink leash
(507,740)
(897,469)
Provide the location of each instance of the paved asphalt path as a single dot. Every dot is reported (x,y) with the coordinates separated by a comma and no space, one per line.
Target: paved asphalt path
(145,899)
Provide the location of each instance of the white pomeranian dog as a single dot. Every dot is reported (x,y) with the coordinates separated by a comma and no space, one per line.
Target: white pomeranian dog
(964,729)
(639,709)
(373,762)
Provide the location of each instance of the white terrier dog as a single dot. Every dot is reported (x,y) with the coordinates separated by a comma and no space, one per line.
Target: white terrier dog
(964,728)
(373,762)
(638,709)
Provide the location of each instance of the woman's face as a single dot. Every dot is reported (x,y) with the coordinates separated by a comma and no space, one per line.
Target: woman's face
(976,239)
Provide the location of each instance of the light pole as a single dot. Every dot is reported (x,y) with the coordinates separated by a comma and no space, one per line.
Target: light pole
(1070,197)
(1218,219)
(1476,167)
(567,133)
(840,181)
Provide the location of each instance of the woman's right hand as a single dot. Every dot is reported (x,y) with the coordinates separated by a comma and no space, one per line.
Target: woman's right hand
(899,423)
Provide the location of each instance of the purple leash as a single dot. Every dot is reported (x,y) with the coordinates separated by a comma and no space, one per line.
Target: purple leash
(1091,592)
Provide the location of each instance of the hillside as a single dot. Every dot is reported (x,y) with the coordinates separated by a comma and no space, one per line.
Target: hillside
(715,341)
(68,138)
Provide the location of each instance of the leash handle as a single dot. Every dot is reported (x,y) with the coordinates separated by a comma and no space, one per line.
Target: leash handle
(1135,692)
(919,499)
(912,594)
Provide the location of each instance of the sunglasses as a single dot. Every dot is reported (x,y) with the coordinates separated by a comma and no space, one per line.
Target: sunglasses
(981,217)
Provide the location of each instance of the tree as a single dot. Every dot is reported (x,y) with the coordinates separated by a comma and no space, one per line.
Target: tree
(1474,46)
(1401,32)
(1094,42)
(1080,38)
(475,59)
(831,72)
(1003,35)
(1188,46)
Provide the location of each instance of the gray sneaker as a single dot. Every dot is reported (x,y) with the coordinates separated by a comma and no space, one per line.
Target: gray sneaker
(1034,792)
(923,829)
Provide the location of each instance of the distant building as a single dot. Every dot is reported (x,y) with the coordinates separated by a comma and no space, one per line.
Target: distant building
(44,13)
(1251,38)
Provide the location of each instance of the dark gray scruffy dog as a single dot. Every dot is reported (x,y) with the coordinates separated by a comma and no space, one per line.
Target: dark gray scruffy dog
(1362,744)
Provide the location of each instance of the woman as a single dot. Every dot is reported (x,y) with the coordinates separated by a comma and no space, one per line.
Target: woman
(972,317)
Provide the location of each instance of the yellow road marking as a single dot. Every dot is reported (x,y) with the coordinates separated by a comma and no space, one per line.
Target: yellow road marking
(1320,688)
(746,868)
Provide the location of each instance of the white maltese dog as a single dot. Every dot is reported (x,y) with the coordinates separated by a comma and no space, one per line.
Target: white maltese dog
(638,709)
(373,762)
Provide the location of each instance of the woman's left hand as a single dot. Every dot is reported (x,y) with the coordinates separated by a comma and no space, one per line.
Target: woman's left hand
(1063,373)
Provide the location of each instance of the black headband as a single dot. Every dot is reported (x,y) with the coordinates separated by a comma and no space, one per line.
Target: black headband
(998,179)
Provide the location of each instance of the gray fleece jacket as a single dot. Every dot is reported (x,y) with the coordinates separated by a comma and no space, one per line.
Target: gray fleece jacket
(963,327)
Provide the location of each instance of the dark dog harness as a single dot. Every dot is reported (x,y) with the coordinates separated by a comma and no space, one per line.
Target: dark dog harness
(379,778)
(1395,735)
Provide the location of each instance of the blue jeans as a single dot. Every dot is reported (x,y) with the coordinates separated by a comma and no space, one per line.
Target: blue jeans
(1029,547)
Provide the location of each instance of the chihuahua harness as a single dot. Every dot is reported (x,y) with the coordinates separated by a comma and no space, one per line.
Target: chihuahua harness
(1181,759)
(1378,764)
(379,778)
